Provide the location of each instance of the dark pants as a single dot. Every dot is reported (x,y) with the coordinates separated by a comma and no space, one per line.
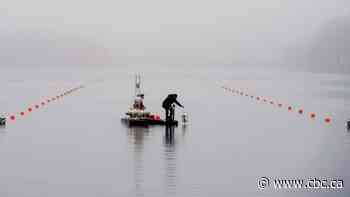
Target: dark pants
(170,114)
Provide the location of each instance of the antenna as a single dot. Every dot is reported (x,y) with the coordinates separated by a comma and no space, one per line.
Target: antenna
(137,84)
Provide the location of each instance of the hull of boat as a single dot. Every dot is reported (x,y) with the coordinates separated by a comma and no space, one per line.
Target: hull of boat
(146,122)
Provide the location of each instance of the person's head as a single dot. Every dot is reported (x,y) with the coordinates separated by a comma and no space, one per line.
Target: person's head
(173,96)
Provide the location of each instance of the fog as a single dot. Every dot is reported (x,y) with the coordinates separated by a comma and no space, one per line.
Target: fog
(282,113)
(182,33)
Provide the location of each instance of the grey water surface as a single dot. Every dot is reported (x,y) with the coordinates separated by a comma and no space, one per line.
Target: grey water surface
(77,146)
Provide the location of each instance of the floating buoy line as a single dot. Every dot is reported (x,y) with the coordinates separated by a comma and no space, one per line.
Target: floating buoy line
(273,102)
(41,104)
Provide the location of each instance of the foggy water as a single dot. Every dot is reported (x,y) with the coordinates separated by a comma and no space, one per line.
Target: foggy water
(77,146)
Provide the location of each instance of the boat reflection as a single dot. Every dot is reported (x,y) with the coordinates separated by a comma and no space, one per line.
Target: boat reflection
(136,137)
(170,161)
(2,133)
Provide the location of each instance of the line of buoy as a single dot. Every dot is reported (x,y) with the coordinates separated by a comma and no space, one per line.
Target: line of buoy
(30,109)
(300,111)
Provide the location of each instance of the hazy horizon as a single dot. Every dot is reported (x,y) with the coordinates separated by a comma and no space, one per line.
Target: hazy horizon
(190,33)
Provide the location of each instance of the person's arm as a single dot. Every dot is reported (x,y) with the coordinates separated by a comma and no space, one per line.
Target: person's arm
(179,104)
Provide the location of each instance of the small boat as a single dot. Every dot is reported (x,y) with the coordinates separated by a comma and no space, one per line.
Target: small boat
(2,121)
(137,114)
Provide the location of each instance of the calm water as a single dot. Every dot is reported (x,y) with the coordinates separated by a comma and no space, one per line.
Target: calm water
(77,146)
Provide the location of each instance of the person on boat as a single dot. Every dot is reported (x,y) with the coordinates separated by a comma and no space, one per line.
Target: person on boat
(138,103)
(168,105)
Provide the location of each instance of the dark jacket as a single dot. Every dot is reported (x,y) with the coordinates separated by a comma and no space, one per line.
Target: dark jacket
(169,100)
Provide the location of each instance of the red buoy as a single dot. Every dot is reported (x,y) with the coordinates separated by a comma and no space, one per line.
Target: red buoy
(22,113)
(327,120)
(289,108)
(12,117)
(300,111)
(30,109)
(312,115)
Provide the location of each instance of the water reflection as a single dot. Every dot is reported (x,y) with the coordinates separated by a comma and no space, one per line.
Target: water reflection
(184,128)
(2,132)
(170,161)
(136,136)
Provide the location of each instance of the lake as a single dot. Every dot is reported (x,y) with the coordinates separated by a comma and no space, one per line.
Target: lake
(77,145)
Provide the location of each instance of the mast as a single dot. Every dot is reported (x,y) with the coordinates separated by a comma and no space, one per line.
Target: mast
(137,84)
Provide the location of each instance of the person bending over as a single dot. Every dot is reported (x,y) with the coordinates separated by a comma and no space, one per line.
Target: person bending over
(168,106)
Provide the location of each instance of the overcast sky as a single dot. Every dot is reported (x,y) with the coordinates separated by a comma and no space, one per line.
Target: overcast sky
(163,31)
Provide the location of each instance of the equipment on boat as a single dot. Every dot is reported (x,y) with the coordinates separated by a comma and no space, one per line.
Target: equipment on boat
(2,121)
(184,118)
(137,116)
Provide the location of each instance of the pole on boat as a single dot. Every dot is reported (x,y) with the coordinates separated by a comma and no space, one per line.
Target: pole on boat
(137,84)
